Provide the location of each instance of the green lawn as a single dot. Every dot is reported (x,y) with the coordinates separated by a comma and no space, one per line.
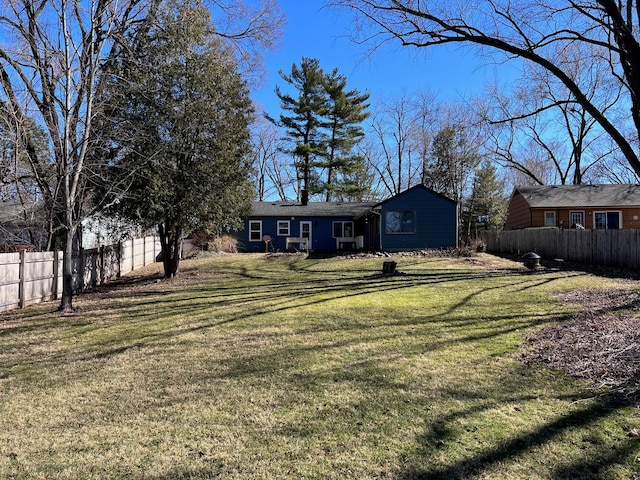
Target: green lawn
(246,367)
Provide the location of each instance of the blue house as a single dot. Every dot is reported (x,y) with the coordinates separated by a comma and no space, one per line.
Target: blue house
(415,219)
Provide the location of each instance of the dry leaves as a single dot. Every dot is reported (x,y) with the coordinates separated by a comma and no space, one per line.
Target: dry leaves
(600,343)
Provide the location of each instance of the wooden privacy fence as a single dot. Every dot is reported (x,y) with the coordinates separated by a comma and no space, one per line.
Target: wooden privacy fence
(32,277)
(618,248)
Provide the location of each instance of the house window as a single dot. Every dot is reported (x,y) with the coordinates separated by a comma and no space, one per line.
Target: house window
(342,229)
(284,227)
(549,219)
(607,220)
(576,218)
(400,222)
(255,231)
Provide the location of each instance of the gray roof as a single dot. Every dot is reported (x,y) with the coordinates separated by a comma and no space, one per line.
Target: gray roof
(559,196)
(312,209)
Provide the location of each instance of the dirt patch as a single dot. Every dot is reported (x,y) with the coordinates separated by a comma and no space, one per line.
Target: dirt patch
(601,343)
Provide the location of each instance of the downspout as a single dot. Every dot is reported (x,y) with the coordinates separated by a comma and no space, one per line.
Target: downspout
(458,224)
(530,217)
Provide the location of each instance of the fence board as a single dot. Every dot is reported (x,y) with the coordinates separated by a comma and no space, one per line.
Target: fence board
(32,277)
(617,248)
(37,277)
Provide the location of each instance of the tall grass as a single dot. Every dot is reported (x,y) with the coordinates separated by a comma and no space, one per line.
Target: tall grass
(293,367)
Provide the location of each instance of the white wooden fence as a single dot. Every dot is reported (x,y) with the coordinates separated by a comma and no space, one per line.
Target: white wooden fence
(617,248)
(32,277)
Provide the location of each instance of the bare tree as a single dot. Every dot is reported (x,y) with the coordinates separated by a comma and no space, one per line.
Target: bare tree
(51,54)
(274,176)
(253,27)
(393,125)
(50,69)
(533,31)
(541,117)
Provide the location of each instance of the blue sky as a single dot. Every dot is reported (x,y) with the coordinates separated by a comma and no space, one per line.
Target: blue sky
(313,31)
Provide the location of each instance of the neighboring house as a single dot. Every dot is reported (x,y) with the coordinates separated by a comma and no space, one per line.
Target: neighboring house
(19,228)
(569,206)
(415,219)
(101,229)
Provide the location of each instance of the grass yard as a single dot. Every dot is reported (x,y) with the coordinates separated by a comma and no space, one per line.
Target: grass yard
(247,367)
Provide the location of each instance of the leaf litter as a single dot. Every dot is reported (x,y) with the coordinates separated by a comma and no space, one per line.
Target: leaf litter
(600,343)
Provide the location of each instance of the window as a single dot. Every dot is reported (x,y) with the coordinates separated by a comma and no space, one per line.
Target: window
(549,219)
(607,220)
(342,229)
(400,222)
(283,228)
(255,231)
(576,218)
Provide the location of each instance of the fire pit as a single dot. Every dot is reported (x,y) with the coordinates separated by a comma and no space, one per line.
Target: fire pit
(531,260)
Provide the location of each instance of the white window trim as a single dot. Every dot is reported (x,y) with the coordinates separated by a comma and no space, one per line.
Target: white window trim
(343,223)
(581,212)
(555,220)
(619,212)
(251,231)
(288,222)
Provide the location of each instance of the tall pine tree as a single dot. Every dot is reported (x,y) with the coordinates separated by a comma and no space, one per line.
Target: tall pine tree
(304,126)
(323,125)
(345,114)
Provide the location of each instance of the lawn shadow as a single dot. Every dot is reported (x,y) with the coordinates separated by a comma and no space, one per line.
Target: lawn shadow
(589,466)
(147,301)
(198,307)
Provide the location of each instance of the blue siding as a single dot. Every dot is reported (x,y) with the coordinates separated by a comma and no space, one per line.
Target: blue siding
(321,232)
(435,221)
(434,224)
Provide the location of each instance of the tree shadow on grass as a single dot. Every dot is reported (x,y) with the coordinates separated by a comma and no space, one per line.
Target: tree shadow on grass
(202,306)
(279,361)
(590,466)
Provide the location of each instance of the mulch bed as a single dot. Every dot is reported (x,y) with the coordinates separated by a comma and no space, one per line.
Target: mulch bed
(601,343)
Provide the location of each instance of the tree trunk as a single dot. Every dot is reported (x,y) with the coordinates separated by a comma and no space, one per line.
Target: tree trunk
(66,304)
(171,245)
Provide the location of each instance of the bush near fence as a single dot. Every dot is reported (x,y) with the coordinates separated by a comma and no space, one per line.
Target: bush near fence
(32,277)
(616,248)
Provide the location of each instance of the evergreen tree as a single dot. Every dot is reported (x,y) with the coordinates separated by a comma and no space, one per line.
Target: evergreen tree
(304,126)
(28,180)
(181,116)
(487,200)
(346,111)
(454,158)
(324,127)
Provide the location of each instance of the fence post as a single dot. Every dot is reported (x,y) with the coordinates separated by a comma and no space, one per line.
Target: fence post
(56,272)
(81,267)
(21,279)
(119,258)
(101,266)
